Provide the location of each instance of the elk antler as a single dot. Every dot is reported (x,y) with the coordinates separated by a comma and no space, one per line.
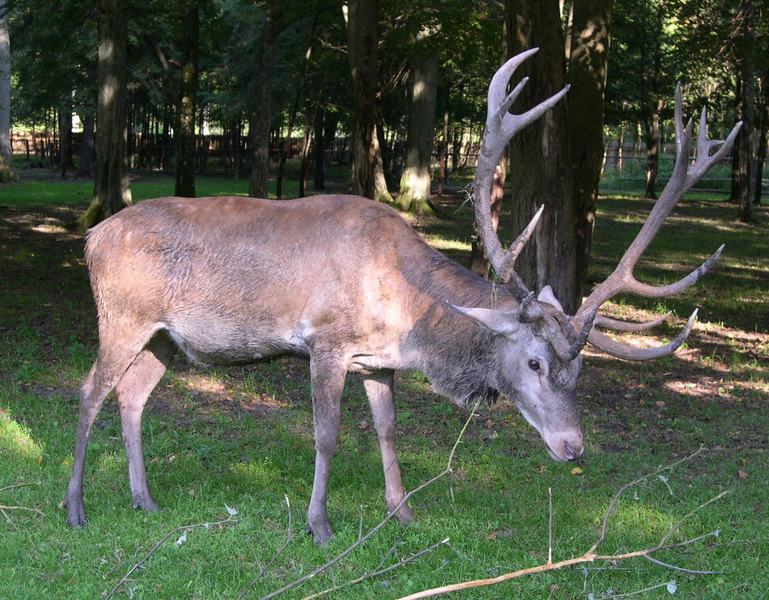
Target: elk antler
(685,175)
(501,126)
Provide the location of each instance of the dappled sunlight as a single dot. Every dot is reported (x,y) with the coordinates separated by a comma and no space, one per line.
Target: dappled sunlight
(16,439)
(243,391)
(445,245)
(49,228)
(717,361)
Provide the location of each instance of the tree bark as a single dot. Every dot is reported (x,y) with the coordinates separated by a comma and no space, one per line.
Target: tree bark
(185,137)
(362,39)
(762,143)
(414,194)
(87,149)
(65,140)
(540,161)
(260,118)
(745,139)
(112,191)
(652,137)
(7,168)
(319,149)
(588,63)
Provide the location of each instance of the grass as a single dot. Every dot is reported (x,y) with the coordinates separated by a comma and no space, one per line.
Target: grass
(242,438)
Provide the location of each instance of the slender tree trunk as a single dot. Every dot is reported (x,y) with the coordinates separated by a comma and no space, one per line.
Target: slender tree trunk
(319,150)
(185,137)
(382,191)
(540,164)
(414,194)
(285,147)
(652,136)
(65,141)
(112,191)
(87,149)
(762,144)
(362,39)
(443,155)
(260,118)
(588,62)
(7,168)
(745,139)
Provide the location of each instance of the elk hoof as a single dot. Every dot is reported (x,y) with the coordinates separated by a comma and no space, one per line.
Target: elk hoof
(321,532)
(145,502)
(75,514)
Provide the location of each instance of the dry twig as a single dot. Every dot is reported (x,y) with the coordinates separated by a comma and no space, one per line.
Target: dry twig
(4,508)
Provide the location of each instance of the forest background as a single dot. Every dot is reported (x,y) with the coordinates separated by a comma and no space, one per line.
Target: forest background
(395,89)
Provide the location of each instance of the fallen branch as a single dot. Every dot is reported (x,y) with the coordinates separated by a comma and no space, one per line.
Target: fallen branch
(378,572)
(184,528)
(591,555)
(4,508)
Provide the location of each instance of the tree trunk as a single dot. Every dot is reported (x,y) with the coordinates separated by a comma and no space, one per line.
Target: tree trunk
(443,155)
(414,194)
(185,136)
(362,39)
(540,162)
(285,147)
(112,191)
(260,118)
(381,189)
(7,168)
(652,136)
(762,143)
(319,150)
(745,139)
(65,141)
(87,149)
(588,62)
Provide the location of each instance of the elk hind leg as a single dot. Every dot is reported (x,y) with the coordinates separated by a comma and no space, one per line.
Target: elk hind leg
(132,392)
(110,365)
(379,389)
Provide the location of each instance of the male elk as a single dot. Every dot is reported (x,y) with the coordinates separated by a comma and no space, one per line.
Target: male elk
(346,283)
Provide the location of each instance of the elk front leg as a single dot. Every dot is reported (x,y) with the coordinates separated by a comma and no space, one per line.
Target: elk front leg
(132,393)
(327,379)
(379,389)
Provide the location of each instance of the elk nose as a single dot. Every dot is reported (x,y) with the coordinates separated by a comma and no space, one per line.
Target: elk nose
(571,453)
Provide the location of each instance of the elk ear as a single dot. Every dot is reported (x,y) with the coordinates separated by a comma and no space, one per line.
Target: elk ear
(547,296)
(500,322)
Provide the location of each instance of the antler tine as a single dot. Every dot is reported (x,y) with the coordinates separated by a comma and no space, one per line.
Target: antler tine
(606,344)
(501,126)
(685,175)
(617,325)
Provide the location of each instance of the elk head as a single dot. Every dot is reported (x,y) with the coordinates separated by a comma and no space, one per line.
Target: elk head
(542,316)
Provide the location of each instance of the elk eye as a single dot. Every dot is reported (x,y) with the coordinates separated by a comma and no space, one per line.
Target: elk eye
(534,365)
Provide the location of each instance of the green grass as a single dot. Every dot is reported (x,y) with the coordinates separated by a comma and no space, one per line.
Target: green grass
(243,438)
